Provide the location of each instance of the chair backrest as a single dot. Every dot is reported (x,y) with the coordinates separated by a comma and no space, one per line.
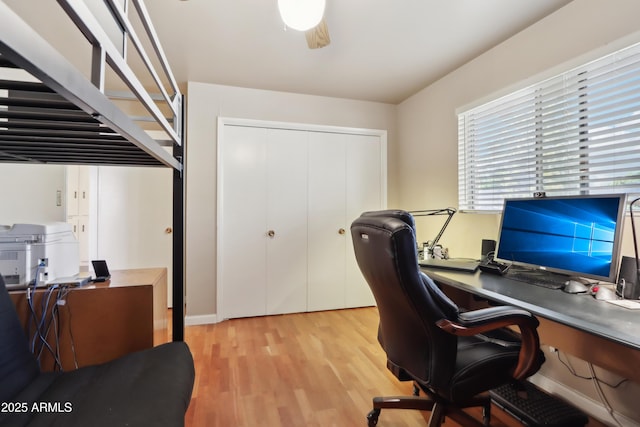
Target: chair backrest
(409,303)
(394,213)
(18,366)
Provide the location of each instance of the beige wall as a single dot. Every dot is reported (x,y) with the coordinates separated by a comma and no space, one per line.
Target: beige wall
(207,102)
(427,122)
(29,193)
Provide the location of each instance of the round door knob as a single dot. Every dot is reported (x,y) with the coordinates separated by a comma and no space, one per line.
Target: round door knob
(341,231)
(271,233)
(168,230)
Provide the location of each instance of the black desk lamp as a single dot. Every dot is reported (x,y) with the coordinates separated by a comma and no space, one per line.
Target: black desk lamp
(429,212)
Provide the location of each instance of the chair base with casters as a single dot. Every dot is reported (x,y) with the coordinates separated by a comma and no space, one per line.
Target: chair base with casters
(438,407)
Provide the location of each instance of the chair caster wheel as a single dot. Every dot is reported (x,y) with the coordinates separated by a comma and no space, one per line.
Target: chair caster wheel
(486,415)
(416,390)
(372,417)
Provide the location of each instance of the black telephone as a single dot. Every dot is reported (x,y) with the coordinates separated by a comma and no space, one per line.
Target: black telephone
(489,265)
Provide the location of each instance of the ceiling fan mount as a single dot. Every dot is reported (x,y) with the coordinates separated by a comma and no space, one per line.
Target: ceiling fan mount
(318,36)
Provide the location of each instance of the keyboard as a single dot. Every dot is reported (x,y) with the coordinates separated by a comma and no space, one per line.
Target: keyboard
(457,264)
(533,407)
(543,279)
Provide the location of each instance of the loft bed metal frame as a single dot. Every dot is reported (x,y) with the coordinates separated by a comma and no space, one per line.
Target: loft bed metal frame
(62,116)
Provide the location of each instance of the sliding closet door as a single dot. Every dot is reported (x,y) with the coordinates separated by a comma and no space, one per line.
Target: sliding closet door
(364,183)
(286,209)
(242,260)
(328,229)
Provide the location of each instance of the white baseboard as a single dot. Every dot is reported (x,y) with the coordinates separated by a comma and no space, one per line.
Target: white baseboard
(205,319)
(593,408)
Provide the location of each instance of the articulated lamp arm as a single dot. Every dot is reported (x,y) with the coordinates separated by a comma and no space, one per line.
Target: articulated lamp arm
(429,212)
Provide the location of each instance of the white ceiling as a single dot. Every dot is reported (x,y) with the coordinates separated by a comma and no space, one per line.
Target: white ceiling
(381,50)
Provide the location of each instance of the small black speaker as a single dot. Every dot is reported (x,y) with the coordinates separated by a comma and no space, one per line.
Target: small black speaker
(628,286)
(488,249)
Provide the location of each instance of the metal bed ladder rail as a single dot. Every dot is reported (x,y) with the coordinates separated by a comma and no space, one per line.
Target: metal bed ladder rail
(105,51)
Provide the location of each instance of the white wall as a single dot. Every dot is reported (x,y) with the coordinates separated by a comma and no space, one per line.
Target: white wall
(134,208)
(206,102)
(29,193)
(426,148)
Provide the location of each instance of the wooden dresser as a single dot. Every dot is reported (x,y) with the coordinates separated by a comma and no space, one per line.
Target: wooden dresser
(99,322)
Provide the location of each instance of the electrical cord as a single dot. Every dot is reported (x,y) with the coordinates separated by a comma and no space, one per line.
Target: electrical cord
(62,301)
(46,320)
(597,383)
(33,318)
(603,398)
(573,372)
(45,327)
(55,313)
(56,333)
(72,340)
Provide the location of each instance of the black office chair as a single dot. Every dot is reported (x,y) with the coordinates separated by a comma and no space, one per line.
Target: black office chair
(453,357)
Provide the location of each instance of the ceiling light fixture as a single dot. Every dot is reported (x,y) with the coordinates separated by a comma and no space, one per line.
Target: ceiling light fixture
(301,15)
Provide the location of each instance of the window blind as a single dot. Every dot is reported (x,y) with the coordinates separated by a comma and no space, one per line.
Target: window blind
(576,133)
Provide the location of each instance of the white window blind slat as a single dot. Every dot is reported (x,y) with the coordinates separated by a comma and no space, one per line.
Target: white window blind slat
(576,133)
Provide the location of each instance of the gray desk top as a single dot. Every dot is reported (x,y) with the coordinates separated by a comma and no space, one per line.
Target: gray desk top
(580,311)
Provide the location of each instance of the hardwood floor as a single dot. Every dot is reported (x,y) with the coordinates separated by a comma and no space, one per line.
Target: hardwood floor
(308,369)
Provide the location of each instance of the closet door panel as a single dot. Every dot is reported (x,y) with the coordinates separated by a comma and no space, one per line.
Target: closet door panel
(328,230)
(286,264)
(242,250)
(364,193)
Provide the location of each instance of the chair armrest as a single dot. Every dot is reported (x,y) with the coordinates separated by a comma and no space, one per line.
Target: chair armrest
(492,318)
(491,315)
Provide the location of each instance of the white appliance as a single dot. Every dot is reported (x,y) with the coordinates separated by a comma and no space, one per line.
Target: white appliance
(50,250)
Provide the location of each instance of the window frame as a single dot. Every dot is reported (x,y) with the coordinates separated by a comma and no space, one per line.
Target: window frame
(585,156)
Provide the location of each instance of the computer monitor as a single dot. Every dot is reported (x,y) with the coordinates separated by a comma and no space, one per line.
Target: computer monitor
(573,235)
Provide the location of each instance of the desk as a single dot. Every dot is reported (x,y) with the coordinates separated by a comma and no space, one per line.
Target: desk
(595,331)
(103,321)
